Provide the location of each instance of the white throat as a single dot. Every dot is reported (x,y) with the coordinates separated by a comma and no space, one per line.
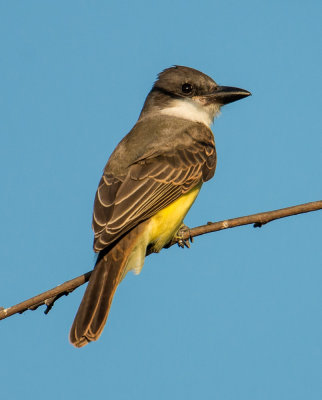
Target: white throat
(193,110)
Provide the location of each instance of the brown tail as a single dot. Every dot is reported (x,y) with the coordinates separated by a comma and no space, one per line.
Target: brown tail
(95,306)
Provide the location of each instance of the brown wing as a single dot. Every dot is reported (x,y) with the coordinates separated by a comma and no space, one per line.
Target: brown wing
(151,184)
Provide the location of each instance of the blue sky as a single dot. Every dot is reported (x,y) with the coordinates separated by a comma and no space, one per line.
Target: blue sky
(239,315)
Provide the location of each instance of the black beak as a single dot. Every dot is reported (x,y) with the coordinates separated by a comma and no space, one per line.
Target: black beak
(226,94)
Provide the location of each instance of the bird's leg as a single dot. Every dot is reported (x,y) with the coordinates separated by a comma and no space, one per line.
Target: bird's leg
(178,237)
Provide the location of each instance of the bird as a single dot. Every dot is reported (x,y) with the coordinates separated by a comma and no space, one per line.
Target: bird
(149,184)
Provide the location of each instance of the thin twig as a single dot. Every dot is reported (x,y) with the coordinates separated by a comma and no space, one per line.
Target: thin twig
(49,297)
(257,219)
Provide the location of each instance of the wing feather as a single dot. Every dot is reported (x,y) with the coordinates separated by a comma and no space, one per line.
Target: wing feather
(151,184)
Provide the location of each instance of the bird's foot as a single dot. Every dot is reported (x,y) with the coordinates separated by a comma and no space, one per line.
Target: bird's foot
(181,237)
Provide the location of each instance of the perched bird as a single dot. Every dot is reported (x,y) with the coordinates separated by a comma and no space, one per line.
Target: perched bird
(149,184)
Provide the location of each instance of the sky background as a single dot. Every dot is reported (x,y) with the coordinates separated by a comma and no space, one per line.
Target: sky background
(238,316)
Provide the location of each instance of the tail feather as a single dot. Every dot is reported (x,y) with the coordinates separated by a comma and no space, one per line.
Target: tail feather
(106,276)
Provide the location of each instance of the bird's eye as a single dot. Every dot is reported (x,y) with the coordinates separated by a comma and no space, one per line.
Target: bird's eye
(186,88)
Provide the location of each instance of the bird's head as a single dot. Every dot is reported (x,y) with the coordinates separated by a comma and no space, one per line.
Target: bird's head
(187,93)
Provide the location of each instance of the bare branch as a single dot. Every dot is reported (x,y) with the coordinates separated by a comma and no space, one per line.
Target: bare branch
(49,297)
(257,219)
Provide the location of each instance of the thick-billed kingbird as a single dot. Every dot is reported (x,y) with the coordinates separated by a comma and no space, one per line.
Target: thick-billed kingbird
(149,184)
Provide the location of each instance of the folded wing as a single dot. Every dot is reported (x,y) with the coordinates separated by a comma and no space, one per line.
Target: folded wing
(151,184)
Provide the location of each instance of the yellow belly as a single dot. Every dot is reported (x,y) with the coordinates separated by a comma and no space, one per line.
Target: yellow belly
(165,224)
(160,230)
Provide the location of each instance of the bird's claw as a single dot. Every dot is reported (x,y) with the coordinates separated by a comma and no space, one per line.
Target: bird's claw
(182,231)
